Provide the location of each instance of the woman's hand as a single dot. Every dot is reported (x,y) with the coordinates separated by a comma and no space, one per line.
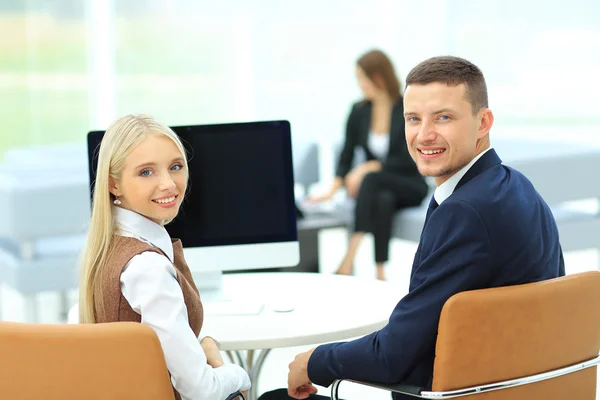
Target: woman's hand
(318,198)
(356,176)
(212,351)
(335,186)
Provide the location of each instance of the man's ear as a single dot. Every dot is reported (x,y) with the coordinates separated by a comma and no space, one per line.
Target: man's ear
(486,122)
(112,187)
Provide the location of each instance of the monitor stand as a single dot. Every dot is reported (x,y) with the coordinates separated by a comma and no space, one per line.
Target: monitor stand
(217,300)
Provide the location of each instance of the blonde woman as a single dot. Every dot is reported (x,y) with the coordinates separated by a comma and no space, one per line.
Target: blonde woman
(133,271)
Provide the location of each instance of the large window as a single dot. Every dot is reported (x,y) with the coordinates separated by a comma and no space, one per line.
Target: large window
(69,66)
(542,59)
(43,72)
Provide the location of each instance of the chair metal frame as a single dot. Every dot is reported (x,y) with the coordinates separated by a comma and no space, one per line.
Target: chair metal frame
(418,392)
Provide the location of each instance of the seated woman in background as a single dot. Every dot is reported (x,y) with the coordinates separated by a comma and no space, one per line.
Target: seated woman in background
(389,179)
(133,271)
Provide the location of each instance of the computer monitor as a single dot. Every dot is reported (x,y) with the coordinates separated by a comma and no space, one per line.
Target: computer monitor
(239,210)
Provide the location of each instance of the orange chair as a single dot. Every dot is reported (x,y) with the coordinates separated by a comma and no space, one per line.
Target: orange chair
(534,341)
(114,361)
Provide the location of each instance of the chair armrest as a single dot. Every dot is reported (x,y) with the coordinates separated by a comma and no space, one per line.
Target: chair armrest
(395,388)
(237,395)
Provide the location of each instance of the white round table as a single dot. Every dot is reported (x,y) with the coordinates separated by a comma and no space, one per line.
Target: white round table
(326,308)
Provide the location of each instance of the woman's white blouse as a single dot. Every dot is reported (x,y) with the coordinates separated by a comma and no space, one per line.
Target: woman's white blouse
(379,144)
(149,284)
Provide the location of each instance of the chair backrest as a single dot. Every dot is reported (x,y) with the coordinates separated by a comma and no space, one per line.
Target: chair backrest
(121,360)
(492,335)
(560,171)
(305,156)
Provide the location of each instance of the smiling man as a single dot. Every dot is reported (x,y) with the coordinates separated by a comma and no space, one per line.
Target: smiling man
(447,119)
(486,226)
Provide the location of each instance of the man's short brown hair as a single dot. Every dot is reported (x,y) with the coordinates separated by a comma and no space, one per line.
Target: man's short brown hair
(452,71)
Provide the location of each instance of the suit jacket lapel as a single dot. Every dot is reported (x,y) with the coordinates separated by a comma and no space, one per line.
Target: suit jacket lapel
(486,161)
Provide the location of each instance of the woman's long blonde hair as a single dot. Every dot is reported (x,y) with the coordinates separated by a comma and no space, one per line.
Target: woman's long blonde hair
(121,137)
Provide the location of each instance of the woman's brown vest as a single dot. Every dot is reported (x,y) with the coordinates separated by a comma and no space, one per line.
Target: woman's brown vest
(116,308)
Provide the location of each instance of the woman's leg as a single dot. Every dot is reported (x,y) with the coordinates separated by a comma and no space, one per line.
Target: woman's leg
(385,193)
(374,212)
(347,264)
(362,221)
(353,182)
(384,209)
(380,271)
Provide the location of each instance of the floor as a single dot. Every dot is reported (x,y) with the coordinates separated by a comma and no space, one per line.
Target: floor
(332,244)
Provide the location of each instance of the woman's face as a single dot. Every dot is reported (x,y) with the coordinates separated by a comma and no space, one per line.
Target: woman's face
(369,88)
(154,179)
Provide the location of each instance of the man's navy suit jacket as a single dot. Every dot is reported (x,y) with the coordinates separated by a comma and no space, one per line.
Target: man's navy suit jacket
(494,230)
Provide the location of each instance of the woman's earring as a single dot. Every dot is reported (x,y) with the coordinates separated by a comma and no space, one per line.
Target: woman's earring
(117,202)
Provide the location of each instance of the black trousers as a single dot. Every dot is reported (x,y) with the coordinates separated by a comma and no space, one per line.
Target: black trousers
(381,194)
(281,394)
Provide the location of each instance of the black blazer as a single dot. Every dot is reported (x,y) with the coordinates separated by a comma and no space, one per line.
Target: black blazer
(494,230)
(398,160)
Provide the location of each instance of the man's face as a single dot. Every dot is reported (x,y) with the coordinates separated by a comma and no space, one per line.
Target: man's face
(442,133)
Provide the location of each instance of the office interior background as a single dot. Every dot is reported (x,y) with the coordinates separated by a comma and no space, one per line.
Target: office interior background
(69,66)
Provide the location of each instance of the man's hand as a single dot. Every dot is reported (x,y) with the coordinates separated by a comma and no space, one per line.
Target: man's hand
(212,351)
(299,386)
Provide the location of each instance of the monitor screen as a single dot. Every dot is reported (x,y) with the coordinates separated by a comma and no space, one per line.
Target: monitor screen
(240,194)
